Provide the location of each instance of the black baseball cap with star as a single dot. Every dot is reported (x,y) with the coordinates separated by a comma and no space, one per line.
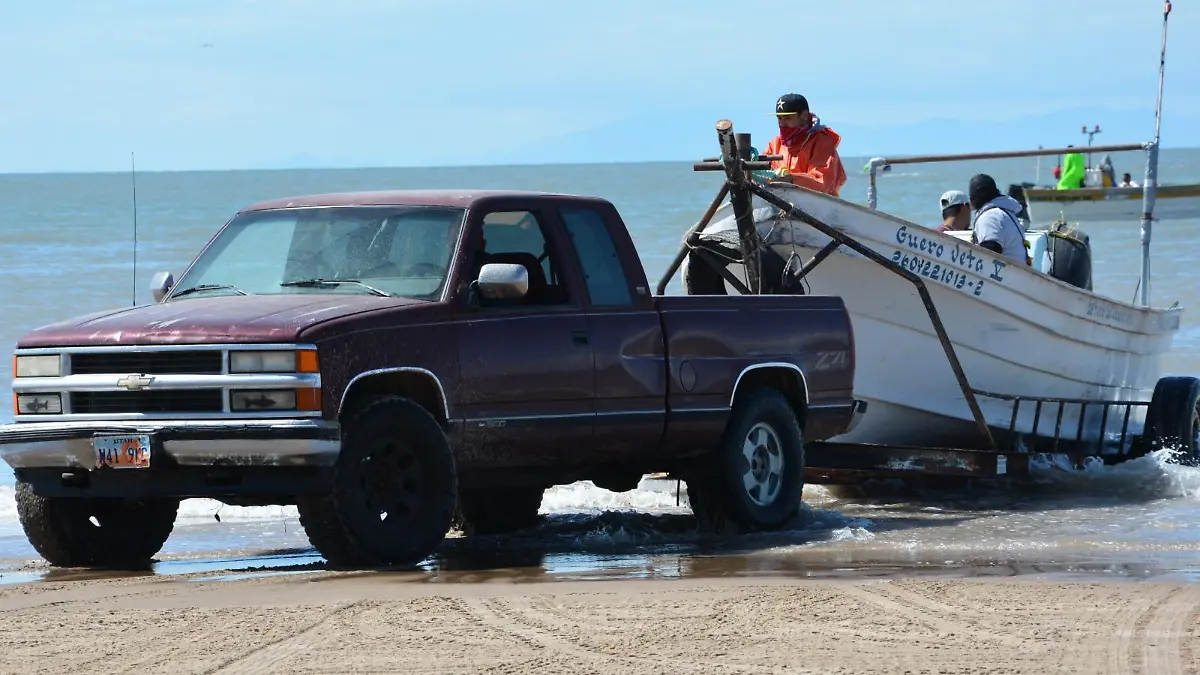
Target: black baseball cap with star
(790,104)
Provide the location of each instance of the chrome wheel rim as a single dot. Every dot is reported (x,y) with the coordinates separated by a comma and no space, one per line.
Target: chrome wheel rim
(762,464)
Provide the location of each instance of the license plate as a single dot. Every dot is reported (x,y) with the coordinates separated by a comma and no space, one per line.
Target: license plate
(122,452)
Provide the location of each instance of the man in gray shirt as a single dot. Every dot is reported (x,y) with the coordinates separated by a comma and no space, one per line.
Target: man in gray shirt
(996,227)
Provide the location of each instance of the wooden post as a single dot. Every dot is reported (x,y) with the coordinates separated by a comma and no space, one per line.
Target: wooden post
(733,154)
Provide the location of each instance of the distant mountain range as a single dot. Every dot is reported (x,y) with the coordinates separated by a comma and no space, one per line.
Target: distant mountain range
(672,137)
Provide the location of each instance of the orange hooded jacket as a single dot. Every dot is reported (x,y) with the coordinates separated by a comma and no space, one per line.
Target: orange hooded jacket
(812,161)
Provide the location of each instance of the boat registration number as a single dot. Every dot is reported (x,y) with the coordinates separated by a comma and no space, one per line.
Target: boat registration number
(122,452)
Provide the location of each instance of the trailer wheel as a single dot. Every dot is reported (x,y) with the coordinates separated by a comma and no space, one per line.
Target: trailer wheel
(393,493)
(105,533)
(1173,419)
(496,511)
(755,479)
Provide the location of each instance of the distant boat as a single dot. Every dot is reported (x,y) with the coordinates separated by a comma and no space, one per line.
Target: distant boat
(1100,199)
(1094,203)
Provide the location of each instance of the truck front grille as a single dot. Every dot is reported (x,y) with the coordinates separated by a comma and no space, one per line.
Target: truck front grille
(198,362)
(165,401)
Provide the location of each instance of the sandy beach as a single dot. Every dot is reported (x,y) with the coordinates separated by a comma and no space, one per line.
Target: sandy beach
(323,622)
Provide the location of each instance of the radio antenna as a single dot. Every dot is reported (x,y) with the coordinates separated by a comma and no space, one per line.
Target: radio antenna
(133,181)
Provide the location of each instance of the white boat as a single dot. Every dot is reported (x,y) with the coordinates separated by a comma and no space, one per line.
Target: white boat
(1017,330)
(1089,365)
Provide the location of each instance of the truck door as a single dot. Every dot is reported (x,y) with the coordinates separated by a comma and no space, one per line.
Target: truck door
(626,335)
(527,378)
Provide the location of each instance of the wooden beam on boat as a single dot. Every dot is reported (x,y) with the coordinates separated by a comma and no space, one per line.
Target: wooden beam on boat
(1003,154)
(735,153)
(760,158)
(718,165)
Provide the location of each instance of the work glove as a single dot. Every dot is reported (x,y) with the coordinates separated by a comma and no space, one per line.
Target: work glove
(762,177)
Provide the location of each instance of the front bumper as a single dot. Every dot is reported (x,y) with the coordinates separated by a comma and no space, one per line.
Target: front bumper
(176,443)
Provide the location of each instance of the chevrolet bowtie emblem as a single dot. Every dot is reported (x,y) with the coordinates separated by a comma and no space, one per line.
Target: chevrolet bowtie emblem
(134,382)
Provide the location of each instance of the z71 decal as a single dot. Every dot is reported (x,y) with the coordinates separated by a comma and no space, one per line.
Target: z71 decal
(832,360)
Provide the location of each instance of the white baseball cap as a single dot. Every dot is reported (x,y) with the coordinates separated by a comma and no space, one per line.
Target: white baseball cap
(953,198)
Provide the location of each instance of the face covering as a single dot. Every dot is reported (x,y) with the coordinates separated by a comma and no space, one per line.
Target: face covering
(790,135)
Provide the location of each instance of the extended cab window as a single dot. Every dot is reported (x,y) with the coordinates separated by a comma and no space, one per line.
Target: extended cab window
(602,270)
(518,237)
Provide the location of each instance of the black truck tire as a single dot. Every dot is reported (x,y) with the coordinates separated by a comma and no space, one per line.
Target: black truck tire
(394,489)
(1173,419)
(499,510)
(755,479)
(100,533)
(699,278)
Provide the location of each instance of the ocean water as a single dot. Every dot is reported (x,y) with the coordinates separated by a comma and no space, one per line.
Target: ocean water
(67,247)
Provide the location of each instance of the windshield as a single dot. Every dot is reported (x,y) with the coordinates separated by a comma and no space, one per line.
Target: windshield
(395,250)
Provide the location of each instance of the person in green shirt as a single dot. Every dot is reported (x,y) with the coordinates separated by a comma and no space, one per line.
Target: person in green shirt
(1073,171)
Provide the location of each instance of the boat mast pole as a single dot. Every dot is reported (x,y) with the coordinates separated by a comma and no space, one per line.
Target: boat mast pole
(1150,184)
(872,190)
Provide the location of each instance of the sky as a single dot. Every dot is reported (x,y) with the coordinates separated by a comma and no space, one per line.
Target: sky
(237,84)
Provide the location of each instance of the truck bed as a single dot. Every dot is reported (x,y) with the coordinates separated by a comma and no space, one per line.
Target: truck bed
(712,340)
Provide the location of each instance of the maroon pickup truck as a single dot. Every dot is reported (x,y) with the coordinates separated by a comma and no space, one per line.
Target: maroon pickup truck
(395,362)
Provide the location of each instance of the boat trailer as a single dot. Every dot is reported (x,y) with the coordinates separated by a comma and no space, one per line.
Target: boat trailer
(830,462)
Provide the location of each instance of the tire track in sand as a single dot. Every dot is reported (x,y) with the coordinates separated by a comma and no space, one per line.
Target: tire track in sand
(1126,658)
(496,615)
(920,609)
(1187,651)
(262,658)
(490,614)
(1164,633)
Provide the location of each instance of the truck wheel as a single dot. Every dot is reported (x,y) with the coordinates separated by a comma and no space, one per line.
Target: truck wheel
(393,492)
(106,533)
(755,479)
(1173,419)
(495,511)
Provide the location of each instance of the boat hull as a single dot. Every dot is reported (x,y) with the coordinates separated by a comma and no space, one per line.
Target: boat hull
(1016,331)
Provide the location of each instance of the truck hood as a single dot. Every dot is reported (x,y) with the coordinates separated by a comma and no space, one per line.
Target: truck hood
(220,319)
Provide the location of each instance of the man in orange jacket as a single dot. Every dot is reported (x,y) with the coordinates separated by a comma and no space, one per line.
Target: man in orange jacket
(809,148)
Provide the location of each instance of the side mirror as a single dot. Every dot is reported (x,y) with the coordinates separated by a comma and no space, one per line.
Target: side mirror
(503,281)
(161,284)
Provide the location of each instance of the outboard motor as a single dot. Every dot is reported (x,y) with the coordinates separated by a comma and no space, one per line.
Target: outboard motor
(1070,252)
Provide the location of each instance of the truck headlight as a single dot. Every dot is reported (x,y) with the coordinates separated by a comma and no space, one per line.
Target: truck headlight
(39,404)
(43,365)
(274,361)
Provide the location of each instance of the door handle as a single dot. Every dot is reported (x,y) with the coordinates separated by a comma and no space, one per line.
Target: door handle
(579,337)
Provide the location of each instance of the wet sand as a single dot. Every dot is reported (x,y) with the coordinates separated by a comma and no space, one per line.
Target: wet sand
(1089,575)
(324,622)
